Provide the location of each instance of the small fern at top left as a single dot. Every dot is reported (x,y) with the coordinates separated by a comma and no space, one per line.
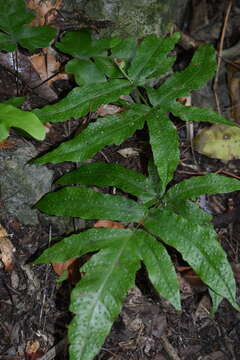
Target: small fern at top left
(14,20)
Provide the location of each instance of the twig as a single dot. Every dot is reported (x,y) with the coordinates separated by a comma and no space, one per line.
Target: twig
(169,348)
(215,84)
(59,348)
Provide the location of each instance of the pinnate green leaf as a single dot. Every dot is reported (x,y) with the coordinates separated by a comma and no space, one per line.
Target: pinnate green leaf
(80,44)
(89,204)
(191,211)
(164,142)
(10,116)
(195,76)
(159,266)
(198,185)
(192,113)
(112,129)
(199,247)
(103,174)
(85,72)
(98,298)
(151,57)
(82,243)
(82,100)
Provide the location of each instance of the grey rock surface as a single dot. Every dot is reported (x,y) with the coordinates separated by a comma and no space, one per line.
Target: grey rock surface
(22,184)
(133,18)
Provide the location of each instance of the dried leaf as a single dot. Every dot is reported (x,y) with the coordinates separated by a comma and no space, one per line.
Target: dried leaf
(107,109)
(7,249)
(45,11)
(6,144)
(108,224)
(219,142)
(59,268)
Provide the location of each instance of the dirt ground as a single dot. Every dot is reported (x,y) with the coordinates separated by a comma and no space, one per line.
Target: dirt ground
(34,306)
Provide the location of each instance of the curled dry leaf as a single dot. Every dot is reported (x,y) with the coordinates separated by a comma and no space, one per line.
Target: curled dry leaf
(107,109)
(7,144)
(45,11)
(59,268)
(6,249)
(108,224)
(46,65)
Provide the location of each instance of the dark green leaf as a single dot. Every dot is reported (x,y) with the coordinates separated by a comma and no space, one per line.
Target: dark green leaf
(151,58)
(159,266)
(34,37)
(198,185)
(97,299)
(83,100)
(85,72)
(81,45)
(16,101)
(89,204)
(13,19)
(191,113)
(164,142)
(108,67)
(10,116)
(82,243)
(200,70)
(125,49)
(199,247)
(105,131)
(191,211)
(103,174)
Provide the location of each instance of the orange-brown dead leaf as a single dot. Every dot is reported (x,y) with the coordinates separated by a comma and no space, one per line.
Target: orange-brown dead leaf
(108,224)
(191,277)
(59,268)
(71,266)
(7,144)
(46,65)
(33,351)
(42,9)
(6,249)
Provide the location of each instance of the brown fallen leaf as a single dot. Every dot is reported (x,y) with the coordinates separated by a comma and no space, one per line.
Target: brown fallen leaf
(107,109)
(7,144)
(33,351)
(45,11)
(6,249)
(108,224)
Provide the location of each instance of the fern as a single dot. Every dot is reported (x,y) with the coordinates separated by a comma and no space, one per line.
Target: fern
(157,217)
(14,18)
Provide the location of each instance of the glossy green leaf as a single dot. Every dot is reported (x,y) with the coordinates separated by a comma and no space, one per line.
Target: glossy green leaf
(192,113)
(125,49)
(13,19)
(82,100)
(198,185)
(35,37)
(151,58)
(97,299)
(199,247)
(191,211)
(10,116)
(216,300)
(82,243)
(105,131)
(195,76)
(89,204)
(103,174)
(159,266)
(165,147)
(16,101)
(81,45)
(108,67)
(85,72)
